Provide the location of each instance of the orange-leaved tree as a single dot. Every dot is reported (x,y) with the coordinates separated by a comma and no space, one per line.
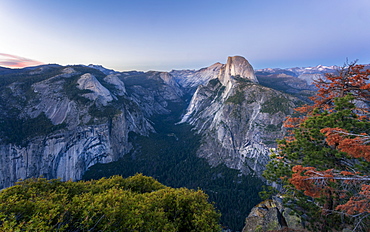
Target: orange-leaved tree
(324,163)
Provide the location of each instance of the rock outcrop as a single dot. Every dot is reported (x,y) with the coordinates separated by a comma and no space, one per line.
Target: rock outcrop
(272,215)
(114,79)
(97,90)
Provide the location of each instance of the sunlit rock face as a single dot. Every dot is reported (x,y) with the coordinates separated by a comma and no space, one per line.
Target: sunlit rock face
(236,66)
(239,120)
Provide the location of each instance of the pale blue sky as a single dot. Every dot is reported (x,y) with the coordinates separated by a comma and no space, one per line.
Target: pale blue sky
(175,34)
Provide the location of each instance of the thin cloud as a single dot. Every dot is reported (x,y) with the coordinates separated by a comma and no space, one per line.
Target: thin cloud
(13,61)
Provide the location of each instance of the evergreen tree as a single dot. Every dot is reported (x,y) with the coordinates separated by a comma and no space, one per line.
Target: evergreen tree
(323,165)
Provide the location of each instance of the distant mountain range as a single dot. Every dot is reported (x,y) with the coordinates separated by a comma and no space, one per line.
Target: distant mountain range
(302,70)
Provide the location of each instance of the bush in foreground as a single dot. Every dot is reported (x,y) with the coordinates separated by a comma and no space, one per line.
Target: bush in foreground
(138,203)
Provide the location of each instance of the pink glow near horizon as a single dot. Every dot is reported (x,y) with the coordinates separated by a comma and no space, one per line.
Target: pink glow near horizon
(13,61)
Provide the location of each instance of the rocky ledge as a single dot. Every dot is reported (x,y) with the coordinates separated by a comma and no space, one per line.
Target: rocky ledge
(271,215)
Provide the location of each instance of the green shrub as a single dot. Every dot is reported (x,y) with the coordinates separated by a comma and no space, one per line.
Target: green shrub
(236,99)
(275,105)
(137,203)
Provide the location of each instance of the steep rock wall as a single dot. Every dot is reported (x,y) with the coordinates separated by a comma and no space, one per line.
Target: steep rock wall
(239,120)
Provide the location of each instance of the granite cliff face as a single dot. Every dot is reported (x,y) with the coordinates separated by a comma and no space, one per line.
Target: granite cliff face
(239,120)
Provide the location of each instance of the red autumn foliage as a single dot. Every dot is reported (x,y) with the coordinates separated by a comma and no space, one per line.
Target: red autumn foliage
(356,147)
(359,203)
(301,179)
(346,173)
